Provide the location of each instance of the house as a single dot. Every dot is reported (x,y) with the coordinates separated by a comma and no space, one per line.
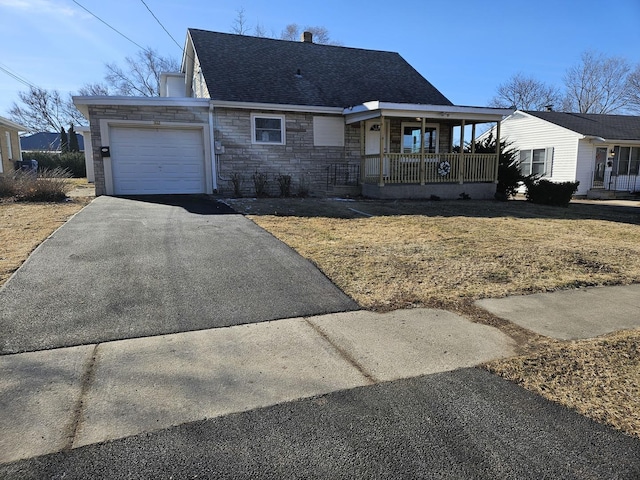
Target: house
(326,116)
(602,152)
(9,144)
(45,142)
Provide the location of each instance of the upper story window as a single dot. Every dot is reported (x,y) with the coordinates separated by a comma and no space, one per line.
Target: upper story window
(267,129)
(536,161)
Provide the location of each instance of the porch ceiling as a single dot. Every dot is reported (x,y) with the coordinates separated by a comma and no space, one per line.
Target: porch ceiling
(377,109)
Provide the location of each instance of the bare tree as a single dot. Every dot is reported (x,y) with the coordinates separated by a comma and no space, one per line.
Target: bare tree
(633,90)
(240,25)
(91,89)
(597,84)
(320,34)
(526,93)
(44,110)
(140,77)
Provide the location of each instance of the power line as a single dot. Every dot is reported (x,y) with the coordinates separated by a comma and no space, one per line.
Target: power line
(112,28)
(160,23)
(17,77)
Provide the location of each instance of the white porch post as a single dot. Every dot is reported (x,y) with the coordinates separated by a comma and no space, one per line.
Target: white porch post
(473,138)
(461,158)
(381,177)
(423,127)
(495,173)
(363,159)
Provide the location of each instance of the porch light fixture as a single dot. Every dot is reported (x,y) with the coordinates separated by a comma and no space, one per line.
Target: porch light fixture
(612,153)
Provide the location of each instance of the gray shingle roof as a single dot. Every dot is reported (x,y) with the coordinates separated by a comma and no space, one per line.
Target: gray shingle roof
(251,69)
(45,141)
(609,127)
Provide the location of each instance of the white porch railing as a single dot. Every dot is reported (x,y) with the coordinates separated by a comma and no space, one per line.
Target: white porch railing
(406,168)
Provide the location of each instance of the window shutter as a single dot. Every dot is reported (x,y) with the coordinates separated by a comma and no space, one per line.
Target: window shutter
(548,162)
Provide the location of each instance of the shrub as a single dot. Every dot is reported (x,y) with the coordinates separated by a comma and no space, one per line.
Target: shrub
(546,192)
(236,180)
(72,161)
(260,184)
(303,187)
(509,176)
(284,182)
(48,185)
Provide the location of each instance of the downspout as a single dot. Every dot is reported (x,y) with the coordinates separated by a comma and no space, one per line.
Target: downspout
(212,146)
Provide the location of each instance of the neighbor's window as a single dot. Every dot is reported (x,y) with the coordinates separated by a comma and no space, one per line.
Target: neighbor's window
(626,161)
(267,129)
(537,161)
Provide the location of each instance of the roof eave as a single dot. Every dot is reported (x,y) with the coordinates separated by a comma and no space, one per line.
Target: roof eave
(83,103)
(276,106)
(376,109)
(13,125)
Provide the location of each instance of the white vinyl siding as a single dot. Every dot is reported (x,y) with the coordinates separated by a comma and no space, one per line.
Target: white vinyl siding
(267,129)
(526,132)
(328,132)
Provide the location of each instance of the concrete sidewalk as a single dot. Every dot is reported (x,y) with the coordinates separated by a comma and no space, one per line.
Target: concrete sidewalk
(69,397)
(572,314)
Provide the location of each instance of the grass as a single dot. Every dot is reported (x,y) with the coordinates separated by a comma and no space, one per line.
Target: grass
(390,255)
(24,225)
(446,254)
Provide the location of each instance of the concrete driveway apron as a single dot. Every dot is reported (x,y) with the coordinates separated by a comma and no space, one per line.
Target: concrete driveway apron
(125,268)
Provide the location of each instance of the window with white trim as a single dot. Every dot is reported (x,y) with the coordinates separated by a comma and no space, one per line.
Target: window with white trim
(626,161)
(536,161)
(267,129)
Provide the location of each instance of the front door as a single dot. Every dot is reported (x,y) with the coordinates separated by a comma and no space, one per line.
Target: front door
(598,171)
(372,137)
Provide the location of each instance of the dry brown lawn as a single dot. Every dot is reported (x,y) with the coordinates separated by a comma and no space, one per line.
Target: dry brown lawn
(448,254)
(24,225)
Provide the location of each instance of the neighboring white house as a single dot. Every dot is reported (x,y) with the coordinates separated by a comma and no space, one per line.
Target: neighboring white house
(602,152)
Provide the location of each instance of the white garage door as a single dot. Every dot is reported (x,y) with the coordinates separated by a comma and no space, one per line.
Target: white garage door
(157,160)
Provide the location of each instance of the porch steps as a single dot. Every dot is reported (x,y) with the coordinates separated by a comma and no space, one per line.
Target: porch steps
(601,194)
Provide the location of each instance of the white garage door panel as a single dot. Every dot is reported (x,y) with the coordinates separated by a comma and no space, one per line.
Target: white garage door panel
(157,160)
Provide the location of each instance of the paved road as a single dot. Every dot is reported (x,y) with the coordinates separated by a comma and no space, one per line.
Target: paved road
(457,425)
(125,268)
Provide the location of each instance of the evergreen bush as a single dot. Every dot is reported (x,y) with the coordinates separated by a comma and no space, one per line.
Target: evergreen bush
(546,192)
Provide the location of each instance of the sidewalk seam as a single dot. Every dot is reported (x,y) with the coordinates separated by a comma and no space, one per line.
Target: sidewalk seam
(344,354)
(86,382)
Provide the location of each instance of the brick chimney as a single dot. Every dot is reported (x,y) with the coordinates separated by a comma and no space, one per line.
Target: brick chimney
(306,37)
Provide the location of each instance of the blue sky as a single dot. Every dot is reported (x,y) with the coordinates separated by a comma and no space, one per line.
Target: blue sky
(466,48)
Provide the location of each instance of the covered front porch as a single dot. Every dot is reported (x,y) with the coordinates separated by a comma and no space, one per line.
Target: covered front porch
(410,150)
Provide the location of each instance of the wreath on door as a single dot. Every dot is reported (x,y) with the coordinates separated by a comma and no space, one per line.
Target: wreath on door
(444,168)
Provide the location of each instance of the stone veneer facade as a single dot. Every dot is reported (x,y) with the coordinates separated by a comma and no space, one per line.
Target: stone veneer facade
(306,163)
(165,115)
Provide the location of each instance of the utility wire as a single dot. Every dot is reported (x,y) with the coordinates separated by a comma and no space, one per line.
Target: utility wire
(160,23)
(112,28)
(17,77)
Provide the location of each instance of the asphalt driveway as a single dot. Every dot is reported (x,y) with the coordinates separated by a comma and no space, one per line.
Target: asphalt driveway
(126,267)
(466,424)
